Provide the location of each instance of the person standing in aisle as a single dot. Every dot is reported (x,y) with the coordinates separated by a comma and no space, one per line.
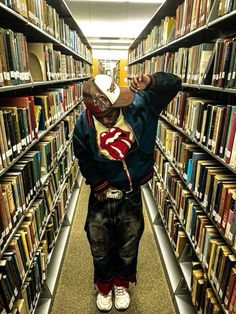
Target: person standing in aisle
(114,141)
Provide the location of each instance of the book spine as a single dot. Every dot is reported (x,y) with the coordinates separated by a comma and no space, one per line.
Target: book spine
(231,136)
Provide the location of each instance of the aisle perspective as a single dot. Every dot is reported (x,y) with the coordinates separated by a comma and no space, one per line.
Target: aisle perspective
(75,291)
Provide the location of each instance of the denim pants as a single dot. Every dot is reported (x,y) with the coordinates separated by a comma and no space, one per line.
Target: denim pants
(114,229)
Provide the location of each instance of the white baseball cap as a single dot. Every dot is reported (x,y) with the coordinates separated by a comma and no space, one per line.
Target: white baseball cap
(102,85)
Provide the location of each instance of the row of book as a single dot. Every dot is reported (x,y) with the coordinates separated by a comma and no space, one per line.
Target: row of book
(206,121)
(14,61)
(177,236)
(16,297)
(207,64)
(190,15)
(53,145)
(159,36)
(22,62)
(44,16)
(19,186)
(22,117)
(28,254)
(47,64)
(209,182)
(180,241)
(203,296)
(182,213)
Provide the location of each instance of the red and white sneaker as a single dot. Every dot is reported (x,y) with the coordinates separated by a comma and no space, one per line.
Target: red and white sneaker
(122,298)
(104,302)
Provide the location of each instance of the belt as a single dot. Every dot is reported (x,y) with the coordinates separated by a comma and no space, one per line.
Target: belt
(119,194)
(114,194)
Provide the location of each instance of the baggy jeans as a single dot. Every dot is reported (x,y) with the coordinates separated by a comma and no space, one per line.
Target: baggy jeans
(114,229)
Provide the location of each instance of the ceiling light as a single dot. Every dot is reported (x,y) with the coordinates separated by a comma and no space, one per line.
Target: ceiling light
(132,1)
(110,47)
(118,40)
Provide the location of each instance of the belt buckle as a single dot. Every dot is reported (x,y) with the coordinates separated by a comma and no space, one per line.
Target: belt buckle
(114,194)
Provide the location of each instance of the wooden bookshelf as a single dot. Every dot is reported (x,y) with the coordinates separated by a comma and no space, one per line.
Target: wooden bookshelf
(39,175)
(181,54)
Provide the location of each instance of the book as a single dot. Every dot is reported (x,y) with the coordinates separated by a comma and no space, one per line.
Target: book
(210,110)
(7,189)
(182,240)
(14,247)
(205,191)
(21,306)
(214,252)
(232,66)
(229,288)
(26,102)
(196,156)
(212,127)
(232,161)
(3,144)
(9,123)
(206,51)
(13,64)
(4,59)
(228,117)
(200,166)
(218,55)
(225,62)
(15,119)
(11,263)
(5,217)
(228,263)
(219,207)
(208,73)
(24,246)
(218,129)
(230,200)
(210,233)
(230,137)
(231,225)
(6,293)
(232,299)
(219,180)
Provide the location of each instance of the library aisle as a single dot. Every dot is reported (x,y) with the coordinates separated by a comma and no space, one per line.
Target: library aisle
(75,291)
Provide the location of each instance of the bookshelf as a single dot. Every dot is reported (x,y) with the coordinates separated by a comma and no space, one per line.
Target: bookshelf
(191,197)
(39,175)
(120,72)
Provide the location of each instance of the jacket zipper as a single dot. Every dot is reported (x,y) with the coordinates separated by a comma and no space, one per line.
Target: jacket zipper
(128,175)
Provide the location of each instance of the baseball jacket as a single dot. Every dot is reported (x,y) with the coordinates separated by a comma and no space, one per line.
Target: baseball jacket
(141,115)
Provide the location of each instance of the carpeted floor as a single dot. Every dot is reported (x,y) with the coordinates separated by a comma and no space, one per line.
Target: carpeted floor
(75,291)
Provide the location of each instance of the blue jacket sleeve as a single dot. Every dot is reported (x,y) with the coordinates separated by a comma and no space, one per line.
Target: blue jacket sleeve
(162,89)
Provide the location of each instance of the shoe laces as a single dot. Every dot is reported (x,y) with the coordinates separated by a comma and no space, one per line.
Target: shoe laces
(106,295)
(119,290)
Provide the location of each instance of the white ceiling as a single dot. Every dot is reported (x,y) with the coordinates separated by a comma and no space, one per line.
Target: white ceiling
(111,26)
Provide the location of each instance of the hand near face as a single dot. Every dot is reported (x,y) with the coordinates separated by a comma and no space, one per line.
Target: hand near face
(139,82)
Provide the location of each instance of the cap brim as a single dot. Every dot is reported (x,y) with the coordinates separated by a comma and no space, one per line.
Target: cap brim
(125,98)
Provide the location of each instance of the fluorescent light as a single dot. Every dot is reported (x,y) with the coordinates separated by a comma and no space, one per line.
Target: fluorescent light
(112,28)
(110,54)
(110,47)
(122,1)
(112,41)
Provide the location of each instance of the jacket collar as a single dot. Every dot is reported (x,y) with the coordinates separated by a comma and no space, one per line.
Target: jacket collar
(89,119)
